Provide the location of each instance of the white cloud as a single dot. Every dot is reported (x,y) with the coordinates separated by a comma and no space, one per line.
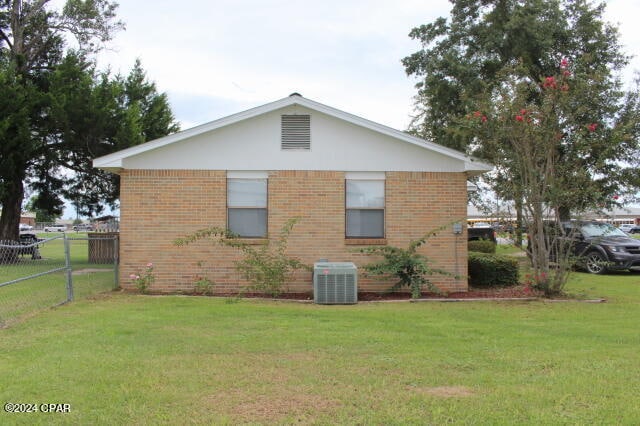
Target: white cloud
(246,53)
(237,54)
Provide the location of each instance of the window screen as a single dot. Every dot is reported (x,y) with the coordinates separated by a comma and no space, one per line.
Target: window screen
(365,209)
(247,207)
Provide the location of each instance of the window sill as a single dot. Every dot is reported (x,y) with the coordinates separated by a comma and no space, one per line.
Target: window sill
(365,241)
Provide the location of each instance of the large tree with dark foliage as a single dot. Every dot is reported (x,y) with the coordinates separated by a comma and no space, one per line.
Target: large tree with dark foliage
(57,112)
(467,59)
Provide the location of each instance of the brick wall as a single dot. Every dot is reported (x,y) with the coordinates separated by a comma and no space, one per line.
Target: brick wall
(158,206)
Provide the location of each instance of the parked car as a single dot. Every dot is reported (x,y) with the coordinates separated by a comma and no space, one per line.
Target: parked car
(626,227)
(634,230)
(83,227)
(25,227)
(602,247)
(481,233)
(55,228)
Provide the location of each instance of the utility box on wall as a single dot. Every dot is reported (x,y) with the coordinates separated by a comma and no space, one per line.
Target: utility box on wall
(335,283)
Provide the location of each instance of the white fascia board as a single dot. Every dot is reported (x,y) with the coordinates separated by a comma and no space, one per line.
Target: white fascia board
(114,161)
(470,163)
(475,167)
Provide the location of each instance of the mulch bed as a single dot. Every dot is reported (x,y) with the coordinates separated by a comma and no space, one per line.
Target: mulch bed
(473,293)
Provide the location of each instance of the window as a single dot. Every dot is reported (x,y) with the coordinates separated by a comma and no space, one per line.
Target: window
(364,208)
(247,206)
(296,132)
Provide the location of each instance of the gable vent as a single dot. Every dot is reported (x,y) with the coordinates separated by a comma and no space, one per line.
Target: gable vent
(296,132)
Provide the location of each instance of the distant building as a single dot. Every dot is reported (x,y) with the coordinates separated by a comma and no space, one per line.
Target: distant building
(616,216)
(28,218)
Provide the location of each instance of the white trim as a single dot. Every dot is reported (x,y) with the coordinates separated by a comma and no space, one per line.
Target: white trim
(365,175)
(246,174)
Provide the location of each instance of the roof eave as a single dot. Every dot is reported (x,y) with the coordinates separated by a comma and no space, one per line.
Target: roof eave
(114,162)
(474,167)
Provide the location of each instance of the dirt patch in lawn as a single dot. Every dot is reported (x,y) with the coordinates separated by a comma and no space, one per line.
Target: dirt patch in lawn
(294,404)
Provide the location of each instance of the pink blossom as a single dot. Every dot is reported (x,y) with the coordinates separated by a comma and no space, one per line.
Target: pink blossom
(566,73)
(523,111)
(149,265)
(564,63)
(132,276)
(519,118)
(484,118)
(549,82)
(592,127)
(477,114)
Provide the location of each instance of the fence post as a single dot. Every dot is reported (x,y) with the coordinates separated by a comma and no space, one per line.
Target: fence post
(67,259)
(116,260)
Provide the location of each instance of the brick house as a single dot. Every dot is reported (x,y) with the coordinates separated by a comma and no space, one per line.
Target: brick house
(352,181)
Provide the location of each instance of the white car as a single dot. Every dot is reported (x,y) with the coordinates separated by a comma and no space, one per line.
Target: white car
(55,228)
(626,227)
(25,227)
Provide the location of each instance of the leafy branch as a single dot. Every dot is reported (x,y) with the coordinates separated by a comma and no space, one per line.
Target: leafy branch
(410,267)
(267,267)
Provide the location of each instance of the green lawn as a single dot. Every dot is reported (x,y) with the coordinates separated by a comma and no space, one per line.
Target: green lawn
(126,359)
(48,290)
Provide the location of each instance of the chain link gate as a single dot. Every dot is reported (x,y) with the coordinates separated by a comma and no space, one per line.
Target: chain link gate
(37,273)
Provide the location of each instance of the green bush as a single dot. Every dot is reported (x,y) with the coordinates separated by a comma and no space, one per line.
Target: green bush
(482,246)
(492,270)
(407,265)
(267,267)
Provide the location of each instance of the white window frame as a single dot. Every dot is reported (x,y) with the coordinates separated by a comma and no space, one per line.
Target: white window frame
(367,177)
(249,176)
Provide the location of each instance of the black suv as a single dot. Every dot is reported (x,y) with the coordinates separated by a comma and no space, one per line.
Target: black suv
(602,247)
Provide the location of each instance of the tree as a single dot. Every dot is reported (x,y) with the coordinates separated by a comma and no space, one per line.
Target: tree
(465,61)
(59,112)
(526,133)
(44,215)
(112,114)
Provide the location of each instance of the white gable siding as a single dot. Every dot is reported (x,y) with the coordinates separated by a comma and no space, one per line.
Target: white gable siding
(254,144)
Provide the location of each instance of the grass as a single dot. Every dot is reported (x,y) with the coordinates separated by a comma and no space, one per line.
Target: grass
(48,290)
(126,359)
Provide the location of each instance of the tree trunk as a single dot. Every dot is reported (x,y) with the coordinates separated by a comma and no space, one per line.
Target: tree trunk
(564,213)
(519,223)
(11,210)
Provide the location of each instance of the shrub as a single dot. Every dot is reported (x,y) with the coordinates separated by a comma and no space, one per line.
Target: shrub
(482,246)
(203,285)
(267,267)
(143,280)
(492,270)
(407,265)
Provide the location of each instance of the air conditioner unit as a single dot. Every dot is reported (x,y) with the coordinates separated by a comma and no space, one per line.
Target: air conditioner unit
(335,283)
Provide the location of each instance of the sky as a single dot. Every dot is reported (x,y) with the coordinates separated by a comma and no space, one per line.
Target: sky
(215,58)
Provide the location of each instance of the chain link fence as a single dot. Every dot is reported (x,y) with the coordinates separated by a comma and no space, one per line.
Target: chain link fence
(39,273)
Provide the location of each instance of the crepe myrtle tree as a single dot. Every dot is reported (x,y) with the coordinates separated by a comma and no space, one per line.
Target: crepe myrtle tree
(467,55)
(522,127)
